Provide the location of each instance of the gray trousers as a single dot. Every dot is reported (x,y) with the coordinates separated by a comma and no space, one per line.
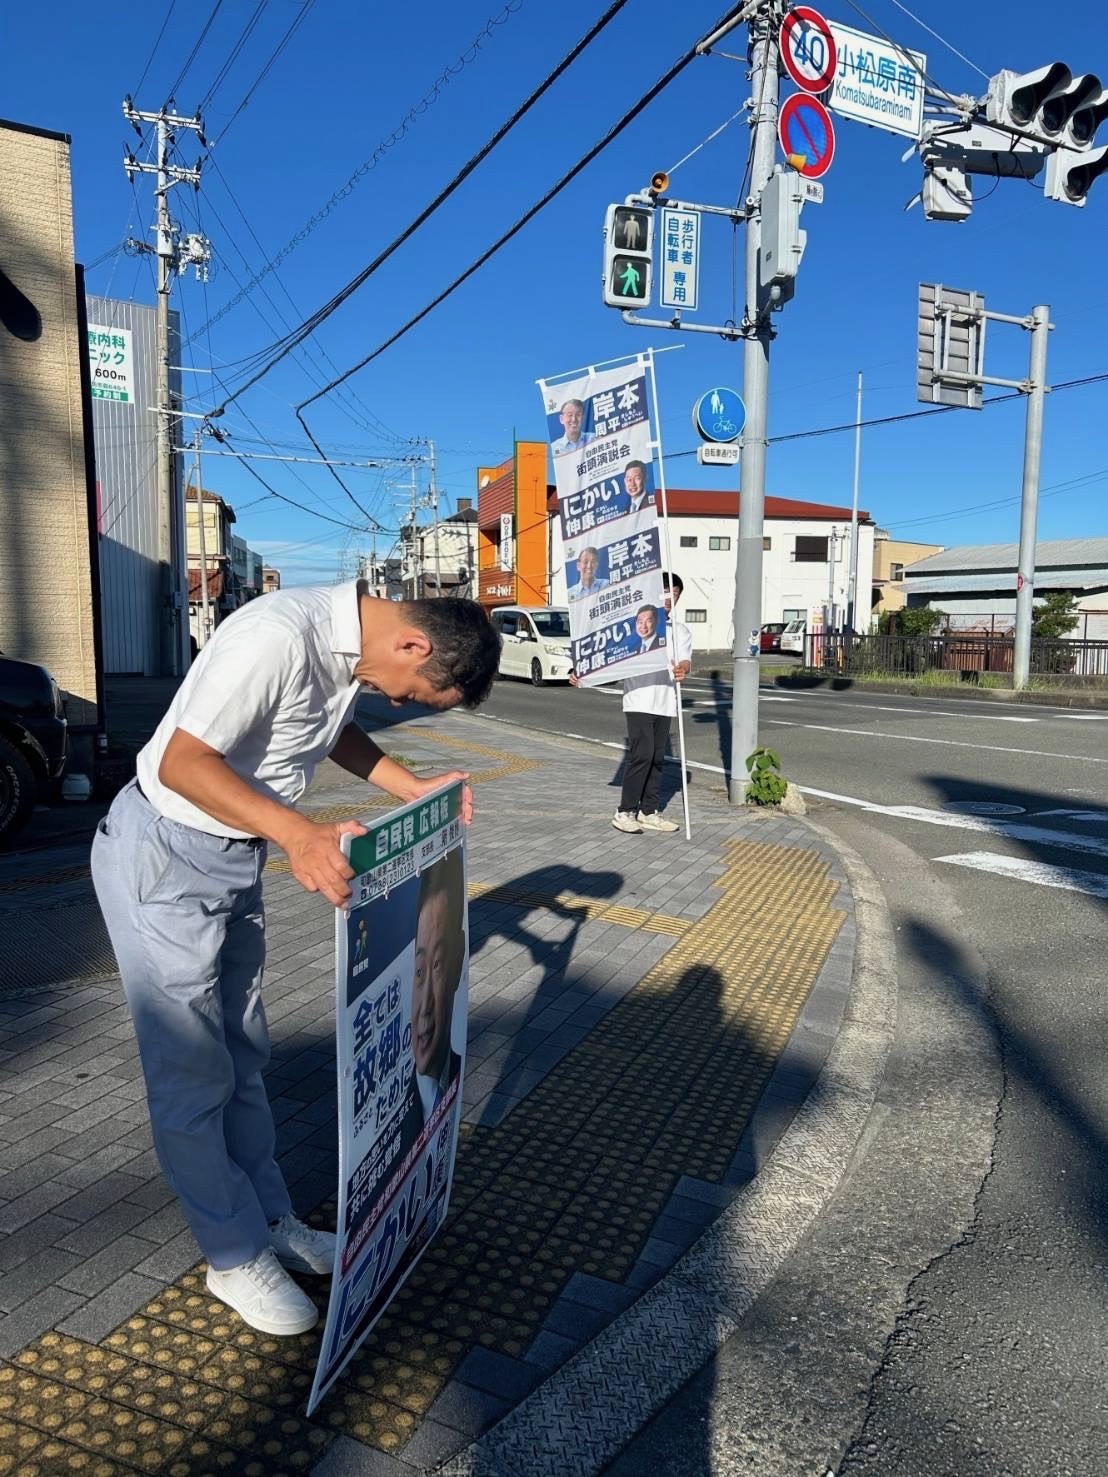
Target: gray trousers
(184,913)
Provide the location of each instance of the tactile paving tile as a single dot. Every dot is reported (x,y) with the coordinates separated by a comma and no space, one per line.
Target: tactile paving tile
(571,1181)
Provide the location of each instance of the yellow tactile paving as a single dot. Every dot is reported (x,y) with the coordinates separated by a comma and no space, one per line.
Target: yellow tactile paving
(571,1181)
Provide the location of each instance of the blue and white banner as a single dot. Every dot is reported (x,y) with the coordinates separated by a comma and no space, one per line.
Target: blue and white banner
(603,449)
(402,976)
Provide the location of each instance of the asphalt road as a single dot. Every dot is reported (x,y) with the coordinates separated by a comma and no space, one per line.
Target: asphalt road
(983,1316)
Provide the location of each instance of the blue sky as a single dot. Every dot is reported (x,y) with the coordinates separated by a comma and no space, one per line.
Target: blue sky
(465,376)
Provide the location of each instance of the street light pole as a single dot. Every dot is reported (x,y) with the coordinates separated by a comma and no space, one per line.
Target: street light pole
(752,471)
(852,578)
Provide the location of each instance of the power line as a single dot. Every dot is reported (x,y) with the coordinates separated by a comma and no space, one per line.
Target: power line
(513,230)
(298,21)
(183,73)
(154,48)
(467,169)
(235,52)
(941,39)
(398,133)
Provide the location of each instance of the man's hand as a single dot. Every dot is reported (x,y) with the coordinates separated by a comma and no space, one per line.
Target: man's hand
(421,787)
(681,670)
(574,680)
(316,859)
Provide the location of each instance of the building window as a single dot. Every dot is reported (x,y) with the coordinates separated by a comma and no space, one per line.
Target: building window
(696,617)
(767,544)
(810,549)
(896,571)
(688,541)
(719,544)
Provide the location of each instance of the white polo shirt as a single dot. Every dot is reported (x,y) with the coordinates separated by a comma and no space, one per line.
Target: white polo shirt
(271,691)
(654,692)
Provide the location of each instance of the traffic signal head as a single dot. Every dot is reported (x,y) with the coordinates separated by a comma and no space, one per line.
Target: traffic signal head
(628,254)
(1086,119)
(1022,99)
(1069,175)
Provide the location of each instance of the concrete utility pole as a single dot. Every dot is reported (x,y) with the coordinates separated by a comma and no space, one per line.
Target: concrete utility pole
(852,577)
(172,260)
(435,515)
(757,333)
(1029,506)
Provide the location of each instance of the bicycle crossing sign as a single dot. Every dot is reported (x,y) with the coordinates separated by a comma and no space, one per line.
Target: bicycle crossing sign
(719,415)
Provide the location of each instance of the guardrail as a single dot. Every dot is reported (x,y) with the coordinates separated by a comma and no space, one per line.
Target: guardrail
(970,654)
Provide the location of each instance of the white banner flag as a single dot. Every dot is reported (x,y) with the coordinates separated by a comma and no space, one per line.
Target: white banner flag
(603,449)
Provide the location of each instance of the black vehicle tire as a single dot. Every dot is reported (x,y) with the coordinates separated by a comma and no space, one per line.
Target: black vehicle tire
(18,790)
(536,672)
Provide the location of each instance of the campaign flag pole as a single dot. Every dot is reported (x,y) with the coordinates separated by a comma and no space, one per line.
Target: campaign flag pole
(648,356)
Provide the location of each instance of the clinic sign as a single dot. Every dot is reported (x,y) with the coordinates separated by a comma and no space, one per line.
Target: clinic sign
(111,366)
(877,83)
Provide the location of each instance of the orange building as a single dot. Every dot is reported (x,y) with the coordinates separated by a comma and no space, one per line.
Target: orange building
(513,529)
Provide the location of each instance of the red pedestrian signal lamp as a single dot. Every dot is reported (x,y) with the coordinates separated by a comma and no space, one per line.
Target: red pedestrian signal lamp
(628,255)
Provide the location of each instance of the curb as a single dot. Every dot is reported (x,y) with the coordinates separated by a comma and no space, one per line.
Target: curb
(631,1369)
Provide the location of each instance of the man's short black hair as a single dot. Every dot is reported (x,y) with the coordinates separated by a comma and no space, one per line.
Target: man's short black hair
(675,580)
(465,648)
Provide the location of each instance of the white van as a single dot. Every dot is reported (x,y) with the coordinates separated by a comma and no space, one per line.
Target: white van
(535,642)
(792,637)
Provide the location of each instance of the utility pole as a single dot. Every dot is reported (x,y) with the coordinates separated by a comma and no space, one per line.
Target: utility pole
(764,51)
(173,257)
(1029,506)
(435,515)
(852,578)
(417,561)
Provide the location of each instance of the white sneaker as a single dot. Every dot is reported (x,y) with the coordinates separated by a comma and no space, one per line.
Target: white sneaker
(624,820)
(656,821)
(264,1295)
(300,1248)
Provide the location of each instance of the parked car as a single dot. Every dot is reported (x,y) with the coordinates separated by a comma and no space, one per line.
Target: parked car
(792,637)
(535,642)
(34,739)
(771,635)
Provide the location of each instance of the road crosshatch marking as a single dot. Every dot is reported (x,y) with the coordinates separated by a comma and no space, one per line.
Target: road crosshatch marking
(571,1180)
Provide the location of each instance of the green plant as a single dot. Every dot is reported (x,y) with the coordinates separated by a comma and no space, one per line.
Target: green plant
(919,620)
(767,785)
(1055,617)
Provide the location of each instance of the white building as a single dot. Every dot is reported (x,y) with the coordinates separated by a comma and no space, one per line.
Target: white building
(805,561)
(447,553)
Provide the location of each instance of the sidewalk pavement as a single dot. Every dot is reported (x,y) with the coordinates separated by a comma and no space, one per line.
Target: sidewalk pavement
(641,1145)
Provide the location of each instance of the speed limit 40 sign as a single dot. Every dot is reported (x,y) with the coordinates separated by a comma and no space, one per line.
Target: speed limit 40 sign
(808,49)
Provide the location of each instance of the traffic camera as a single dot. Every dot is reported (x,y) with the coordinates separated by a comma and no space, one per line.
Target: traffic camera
(628,255)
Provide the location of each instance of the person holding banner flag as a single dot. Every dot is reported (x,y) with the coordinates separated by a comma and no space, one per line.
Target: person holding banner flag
(177,866)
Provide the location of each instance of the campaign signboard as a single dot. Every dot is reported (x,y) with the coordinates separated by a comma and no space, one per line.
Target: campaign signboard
(401,998)
(603,449)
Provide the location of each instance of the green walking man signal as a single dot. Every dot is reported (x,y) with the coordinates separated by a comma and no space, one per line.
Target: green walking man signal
(628,253)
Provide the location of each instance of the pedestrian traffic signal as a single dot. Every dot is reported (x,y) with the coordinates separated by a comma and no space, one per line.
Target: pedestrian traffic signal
(628,255)
(1070,174)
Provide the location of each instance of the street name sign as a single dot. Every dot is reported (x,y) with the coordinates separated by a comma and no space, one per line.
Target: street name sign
(719,415)
(808,49)
(680,253)
(877,83)
(805,131)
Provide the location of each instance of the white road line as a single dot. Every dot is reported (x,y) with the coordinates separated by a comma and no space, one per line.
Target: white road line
(1002,830)
(1022,870)
(914,738)
(1086,717)
(1099,816)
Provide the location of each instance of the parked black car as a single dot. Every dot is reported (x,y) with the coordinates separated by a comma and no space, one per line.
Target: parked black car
(33,740)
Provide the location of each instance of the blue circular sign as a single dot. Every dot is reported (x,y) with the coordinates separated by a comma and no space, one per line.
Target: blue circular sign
(719,415)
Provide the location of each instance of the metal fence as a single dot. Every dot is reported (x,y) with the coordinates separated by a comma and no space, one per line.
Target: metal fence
(968,654)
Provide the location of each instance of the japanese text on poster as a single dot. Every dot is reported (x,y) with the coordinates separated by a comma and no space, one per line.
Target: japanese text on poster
(110,364)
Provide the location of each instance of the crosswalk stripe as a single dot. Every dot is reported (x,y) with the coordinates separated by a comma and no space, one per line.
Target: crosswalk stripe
(1020,869)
